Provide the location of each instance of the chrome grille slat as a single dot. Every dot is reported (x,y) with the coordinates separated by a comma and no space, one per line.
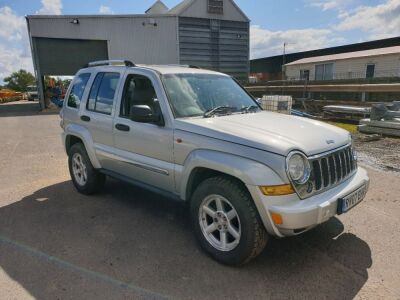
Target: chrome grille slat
(340,165)
(344,167)
(348,167)
(335,168)
(331,169)
(320,172)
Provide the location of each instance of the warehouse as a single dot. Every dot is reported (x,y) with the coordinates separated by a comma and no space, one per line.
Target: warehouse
(375,63)
(212,34)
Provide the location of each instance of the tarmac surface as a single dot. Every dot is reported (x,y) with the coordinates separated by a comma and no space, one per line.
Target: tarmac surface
(127,243)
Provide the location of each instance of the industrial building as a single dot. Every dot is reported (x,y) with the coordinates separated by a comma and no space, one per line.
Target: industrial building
(374,63)
(212,34)
(270,68)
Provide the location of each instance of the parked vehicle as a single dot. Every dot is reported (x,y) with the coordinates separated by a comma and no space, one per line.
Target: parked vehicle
(32,92)
(197,136)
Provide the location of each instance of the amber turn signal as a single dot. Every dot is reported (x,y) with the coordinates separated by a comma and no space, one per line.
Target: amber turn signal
(277,218)
(277,190)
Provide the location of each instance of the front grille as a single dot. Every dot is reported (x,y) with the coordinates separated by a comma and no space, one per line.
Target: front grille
(331,169)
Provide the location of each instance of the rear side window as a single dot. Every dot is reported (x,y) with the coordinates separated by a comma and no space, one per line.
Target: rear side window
(75,96)
(101,97)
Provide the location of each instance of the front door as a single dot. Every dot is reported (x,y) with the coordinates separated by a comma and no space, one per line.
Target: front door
(144,150)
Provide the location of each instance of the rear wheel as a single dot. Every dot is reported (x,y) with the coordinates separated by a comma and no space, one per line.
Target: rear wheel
(226,221)
(87,180)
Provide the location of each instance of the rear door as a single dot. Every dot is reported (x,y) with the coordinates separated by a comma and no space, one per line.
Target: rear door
(144,150)
(98,111)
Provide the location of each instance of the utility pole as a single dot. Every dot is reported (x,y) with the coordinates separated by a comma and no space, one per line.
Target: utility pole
(283,60)
(283,67)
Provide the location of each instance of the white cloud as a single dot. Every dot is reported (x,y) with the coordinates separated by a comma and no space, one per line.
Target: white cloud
(13,59)
(50,7)
(378,21)
(15,50)
(264,42)
(105,10)
(16,53)
(11,25)
(326,5)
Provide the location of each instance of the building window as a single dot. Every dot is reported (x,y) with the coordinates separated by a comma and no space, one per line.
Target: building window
(370,71)
(75,96)
(305,75)
(216,7)
(101,97)
(324,72)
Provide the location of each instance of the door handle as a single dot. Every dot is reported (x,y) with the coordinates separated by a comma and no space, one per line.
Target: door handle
(85,118)
(122,127)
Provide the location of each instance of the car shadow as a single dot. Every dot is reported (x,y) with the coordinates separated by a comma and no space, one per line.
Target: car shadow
(129,243)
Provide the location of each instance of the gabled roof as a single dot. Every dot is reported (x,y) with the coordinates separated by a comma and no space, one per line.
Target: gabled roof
(157,8)
(185,4)
(347,55)
(181,7)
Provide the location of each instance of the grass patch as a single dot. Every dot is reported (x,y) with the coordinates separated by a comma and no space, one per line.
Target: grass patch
(349,127)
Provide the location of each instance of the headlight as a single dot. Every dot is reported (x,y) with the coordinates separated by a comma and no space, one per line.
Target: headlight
(298,167)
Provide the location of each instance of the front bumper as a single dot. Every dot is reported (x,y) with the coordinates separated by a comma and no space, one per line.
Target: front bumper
(301,215)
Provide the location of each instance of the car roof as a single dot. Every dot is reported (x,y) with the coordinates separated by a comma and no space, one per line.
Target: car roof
(161,69)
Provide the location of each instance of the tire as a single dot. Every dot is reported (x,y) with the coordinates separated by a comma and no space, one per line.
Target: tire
(90,181)
(236,200)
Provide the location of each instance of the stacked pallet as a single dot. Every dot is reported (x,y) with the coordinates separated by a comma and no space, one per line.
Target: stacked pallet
(391,128)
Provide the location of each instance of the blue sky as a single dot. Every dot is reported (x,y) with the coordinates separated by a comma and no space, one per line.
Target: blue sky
(302,24)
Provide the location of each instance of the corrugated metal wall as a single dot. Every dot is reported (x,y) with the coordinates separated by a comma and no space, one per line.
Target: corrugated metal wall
(133,38)
(215,44)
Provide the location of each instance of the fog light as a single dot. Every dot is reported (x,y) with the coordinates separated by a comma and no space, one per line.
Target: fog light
(277,218)
(277,190)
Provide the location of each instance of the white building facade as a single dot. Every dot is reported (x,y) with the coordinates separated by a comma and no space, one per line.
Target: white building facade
(375,63)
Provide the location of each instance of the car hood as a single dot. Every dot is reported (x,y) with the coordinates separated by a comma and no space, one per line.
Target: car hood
(269,131)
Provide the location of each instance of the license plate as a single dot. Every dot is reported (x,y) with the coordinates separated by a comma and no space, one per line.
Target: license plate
(348,202)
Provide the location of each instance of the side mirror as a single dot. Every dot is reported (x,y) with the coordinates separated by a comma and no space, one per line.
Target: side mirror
(144,114)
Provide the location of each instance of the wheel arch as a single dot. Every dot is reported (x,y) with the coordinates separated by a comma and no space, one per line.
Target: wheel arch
(77,134)
(203,164)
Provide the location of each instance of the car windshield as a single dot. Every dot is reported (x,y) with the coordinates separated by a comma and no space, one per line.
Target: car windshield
(199,94)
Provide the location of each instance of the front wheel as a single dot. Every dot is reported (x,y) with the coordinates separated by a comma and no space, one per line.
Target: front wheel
(226,221)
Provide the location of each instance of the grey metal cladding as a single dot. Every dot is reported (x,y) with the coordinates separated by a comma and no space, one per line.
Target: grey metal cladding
(215,44)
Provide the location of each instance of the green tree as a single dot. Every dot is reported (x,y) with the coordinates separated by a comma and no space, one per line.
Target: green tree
(20,80)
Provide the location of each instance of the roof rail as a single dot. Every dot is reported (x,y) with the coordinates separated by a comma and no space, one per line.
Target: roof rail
(127,63)
(182,66)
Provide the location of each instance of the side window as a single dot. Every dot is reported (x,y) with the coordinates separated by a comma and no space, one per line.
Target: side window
(102,92)
(78,87)
(138,90)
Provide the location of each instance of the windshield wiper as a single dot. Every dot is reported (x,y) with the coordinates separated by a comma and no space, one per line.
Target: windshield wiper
(219,109)
(250,108)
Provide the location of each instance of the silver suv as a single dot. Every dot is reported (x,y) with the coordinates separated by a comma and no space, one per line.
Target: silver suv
(198,136)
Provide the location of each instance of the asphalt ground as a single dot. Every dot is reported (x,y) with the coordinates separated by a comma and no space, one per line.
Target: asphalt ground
(127,243)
